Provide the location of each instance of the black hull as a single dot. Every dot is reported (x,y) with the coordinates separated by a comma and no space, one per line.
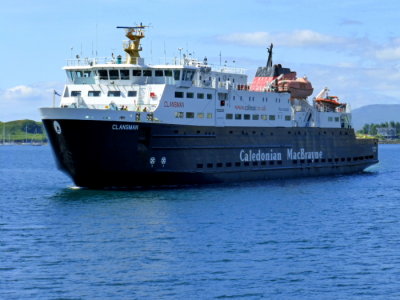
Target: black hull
(98,154)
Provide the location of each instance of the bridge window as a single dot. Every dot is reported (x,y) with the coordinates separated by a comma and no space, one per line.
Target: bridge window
(187,75)
(147,73)
(124,74)
(114,74)
(87,74)
(75,93)
(103,74)
(137,73)
(168,73)
(159,73)
(94,93)
(177,74)
(132,93)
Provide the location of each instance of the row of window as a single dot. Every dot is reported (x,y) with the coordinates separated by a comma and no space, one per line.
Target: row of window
(330,119)
(109,94)
(279,162)
(124,74)
(190,115)
(254,117)
(191,95)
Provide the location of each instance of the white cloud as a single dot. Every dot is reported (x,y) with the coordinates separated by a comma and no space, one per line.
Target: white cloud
(297,38)
(20,92)
(390,53)
(24,101)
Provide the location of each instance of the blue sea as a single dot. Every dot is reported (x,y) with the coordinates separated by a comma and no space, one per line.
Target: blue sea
(332,237)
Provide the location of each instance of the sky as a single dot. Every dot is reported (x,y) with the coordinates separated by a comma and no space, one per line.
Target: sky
(352,47)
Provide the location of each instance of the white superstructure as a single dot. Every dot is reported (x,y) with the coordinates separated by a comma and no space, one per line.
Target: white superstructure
(186,91)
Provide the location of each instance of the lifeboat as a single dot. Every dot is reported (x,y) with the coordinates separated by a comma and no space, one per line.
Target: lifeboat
(299,88)
(329,103)
(329,100)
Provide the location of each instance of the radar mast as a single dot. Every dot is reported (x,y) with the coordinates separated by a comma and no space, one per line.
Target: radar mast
(132,47)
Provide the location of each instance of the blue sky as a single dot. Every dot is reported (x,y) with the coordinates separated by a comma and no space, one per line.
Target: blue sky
(352,47)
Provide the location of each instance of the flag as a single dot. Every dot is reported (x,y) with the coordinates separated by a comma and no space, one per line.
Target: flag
(56,93)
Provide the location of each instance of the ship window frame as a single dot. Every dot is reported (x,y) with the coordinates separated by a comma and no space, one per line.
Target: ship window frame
(132,94)
(87,74)
(246,117)
(124,76)
(114,94)
(209,115)
(209,96)
(255,117)
(179,94)
(147,72)
(179,114)
(177,74)
(101,74)
(187,74)
(168,73)
(158,73)
(113,77)
(76,93)
(94,93)
(189,115)
(238,116)
(271,117)
(229,116)
(137,73)
(264,117)
(288,118)
(190,95)
(200,96)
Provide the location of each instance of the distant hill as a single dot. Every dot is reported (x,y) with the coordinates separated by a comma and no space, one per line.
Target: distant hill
(377,113)
(22,131)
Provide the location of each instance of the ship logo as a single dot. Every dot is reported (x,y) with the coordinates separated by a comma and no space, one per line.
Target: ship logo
(57,127)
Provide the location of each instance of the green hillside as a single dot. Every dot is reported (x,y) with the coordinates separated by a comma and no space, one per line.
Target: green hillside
(22,131)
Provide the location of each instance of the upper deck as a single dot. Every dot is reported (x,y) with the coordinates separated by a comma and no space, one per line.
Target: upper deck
(186,72)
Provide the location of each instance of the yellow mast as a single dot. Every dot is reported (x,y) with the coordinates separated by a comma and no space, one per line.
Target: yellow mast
(132,48)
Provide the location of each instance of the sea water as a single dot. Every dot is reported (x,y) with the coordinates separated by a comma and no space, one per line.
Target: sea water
(335,237)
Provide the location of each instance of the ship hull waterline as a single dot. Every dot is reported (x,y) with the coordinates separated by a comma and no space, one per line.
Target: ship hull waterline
(106,154)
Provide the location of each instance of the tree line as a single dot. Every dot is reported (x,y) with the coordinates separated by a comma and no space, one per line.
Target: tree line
(22,131)
(371,129)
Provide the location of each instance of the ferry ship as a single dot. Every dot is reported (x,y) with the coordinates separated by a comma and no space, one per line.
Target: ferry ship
(125,123)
